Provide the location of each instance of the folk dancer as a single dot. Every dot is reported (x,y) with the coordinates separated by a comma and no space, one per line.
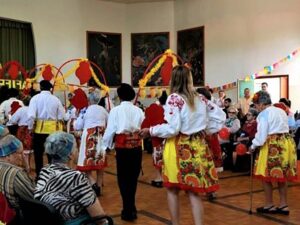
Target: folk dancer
(187,161)
(92,121)
(154,115)
(46,114)
(276,160)
(20,118)
(124,123)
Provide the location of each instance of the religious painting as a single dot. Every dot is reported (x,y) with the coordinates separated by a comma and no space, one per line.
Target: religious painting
(144,48)
(104,49)
(190,47)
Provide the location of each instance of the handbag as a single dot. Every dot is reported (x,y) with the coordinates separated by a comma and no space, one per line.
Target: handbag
(6,213)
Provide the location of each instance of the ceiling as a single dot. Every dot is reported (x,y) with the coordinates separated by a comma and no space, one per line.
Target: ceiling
(137,1)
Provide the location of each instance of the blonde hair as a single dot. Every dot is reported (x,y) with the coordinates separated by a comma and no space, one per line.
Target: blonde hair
(182,84)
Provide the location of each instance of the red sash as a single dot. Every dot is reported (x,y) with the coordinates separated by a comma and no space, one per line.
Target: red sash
(131,140)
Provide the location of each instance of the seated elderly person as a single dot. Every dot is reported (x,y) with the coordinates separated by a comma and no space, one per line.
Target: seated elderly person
(15,184)
(67,190)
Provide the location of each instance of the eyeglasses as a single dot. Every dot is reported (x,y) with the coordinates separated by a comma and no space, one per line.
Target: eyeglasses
(232,112)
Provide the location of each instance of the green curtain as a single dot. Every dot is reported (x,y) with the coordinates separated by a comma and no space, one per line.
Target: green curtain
(16,42)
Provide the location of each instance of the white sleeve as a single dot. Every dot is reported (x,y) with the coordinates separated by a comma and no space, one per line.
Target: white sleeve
(15,118)
(216,117)
(32,109)
(61,111)
(172,117)
(2,114)
(110,132)
(262,132)
(79,121)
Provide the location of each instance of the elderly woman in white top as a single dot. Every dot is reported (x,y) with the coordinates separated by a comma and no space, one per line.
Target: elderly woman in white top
(93,121)
(276,161)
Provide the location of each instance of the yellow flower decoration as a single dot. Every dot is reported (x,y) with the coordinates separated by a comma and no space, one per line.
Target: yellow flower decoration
(167,53)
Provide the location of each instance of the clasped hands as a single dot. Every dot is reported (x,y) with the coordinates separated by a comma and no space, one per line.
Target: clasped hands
(144,133)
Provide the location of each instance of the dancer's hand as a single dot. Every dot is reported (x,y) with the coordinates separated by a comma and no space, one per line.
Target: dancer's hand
(145,132)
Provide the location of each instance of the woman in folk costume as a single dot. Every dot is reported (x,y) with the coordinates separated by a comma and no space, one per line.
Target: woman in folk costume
(123,125)
(213,127)
(187,161)
(20,118)
(93,121)
(154,115)
(276,160)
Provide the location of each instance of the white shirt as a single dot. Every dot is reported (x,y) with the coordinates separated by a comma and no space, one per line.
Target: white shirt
(21,117)
(219,102)
(124,118)
(93,116)
(45,106)
(70,114)
(272,120)
(181,118)
(5,108)
(244,105)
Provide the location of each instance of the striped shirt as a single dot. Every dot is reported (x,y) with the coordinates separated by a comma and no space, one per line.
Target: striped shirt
(15,184)
(67,190)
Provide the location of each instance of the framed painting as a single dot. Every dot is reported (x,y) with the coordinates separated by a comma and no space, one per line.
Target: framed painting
(144,48)
(190,47)
(104,49)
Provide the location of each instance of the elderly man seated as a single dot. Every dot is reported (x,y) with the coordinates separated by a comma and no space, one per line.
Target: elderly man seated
(15,183)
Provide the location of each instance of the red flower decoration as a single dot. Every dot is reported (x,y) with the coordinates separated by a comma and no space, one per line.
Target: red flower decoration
(47,73)
(79,100)
(83,72)
(166,71)
(13,71)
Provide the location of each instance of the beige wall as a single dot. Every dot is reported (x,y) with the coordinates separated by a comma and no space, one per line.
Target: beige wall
(241,36)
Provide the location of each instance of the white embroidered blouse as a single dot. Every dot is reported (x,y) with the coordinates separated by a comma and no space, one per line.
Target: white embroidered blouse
(181,118)
(272,120)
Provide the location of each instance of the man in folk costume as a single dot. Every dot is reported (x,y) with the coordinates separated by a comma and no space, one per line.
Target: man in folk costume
(46,113)
(276,160)
(92,121)
(124,123)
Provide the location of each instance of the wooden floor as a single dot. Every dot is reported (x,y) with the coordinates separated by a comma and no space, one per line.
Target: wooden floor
(231,206)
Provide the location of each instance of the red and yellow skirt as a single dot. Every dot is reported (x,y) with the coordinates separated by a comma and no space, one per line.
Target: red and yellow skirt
(25,136)
(215,148)
(188,164)
(157,156)
(90,144)
(277,159)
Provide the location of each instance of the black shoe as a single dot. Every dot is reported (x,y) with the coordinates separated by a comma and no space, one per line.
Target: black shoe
(96,189)
(128,216)
(267,210)
(158,184)
(283,210)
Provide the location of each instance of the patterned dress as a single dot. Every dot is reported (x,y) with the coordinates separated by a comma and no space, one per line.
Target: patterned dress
(93,122)
(187,160)
(277,159)
(154,115)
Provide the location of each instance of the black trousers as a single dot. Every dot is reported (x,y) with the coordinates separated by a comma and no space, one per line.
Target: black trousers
(38,142)
(129,163)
